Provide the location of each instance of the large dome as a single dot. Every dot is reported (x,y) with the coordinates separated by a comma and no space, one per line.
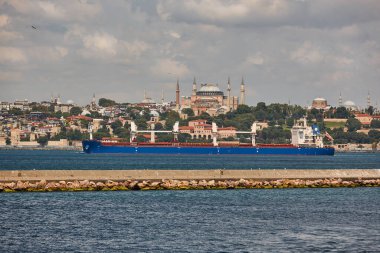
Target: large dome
(319,99)
(209,89)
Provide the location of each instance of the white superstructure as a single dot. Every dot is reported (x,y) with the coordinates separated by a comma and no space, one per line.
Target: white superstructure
(304,135)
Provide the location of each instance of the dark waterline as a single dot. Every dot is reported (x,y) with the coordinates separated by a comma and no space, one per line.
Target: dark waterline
(55,159)
(295,220)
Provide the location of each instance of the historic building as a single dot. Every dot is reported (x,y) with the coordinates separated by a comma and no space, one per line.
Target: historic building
(210,99)
(319,104)
(199,129)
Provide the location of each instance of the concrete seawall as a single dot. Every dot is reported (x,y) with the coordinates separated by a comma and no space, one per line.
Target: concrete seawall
(113,180)
(157,175)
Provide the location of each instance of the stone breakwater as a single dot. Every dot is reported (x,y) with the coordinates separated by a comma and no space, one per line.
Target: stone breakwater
(100,180)
(109,185)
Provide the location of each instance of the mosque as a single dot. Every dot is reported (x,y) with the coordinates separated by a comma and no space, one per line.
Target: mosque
(210,99)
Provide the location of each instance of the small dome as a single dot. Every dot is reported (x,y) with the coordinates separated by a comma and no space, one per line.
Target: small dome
(319,99)
(154,113)
(148,100)
(349,103)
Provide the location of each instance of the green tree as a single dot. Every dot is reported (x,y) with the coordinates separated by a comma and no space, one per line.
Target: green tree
(102,132)
(184,137)
(16,111)
(261,106)
(243,109)
(141,138)
(158,126)
(122,133)
(74,135)
(8,141)
(172,117)
(375,123)
(104,102)
(43,140)
(289,122)
(342,113)
(353,124)
(374,134)
(370,110)
(188,111)
(76,110)
(141,123)
(261,115)
(116,124)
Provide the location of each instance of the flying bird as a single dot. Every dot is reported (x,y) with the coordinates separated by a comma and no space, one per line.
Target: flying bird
(34,27)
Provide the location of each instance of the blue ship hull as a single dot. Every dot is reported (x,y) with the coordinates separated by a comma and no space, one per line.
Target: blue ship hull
(93,146)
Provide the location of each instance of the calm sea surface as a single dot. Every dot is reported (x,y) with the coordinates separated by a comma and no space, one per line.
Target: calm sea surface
(66,160)
(275,220)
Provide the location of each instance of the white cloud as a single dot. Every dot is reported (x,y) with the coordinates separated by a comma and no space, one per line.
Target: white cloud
(256,59)
(135,48)
(307,53)
(227,12)
(75,10)
(52,10)
(4,20)
(101,43)
(174,35)
(47,54)
(213,29)
(338,76)
(6,36)
(166,67)
(12,55)
(10,76)
(335,13)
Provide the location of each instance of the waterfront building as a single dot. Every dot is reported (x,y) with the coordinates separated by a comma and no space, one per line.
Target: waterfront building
(200,129)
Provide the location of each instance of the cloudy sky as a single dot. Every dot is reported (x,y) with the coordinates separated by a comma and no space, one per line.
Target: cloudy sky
(292,50)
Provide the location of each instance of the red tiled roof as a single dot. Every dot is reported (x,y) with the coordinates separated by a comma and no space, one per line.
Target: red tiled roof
(198,120)
(362,115)
(79,117)
(186,128)
(227,128)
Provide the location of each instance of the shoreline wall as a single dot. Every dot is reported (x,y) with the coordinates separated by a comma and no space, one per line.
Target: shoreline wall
(100,180)
(157,175)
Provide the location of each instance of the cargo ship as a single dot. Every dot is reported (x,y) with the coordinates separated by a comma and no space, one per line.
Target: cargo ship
(306,140)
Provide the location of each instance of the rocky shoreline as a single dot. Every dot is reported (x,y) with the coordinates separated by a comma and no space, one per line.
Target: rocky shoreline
(109,185)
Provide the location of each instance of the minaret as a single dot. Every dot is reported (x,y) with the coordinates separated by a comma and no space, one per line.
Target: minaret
(368,100)
(162,97)
(229,94)
(177,96)
(340,102)
(144,94)
(93,102)
(194,87)
(242,92)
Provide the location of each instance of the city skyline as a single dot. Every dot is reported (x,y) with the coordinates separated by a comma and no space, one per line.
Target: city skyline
(285,50)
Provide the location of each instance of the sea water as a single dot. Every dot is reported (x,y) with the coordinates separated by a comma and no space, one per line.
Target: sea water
(67,160)
(272,220)
(275,220)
